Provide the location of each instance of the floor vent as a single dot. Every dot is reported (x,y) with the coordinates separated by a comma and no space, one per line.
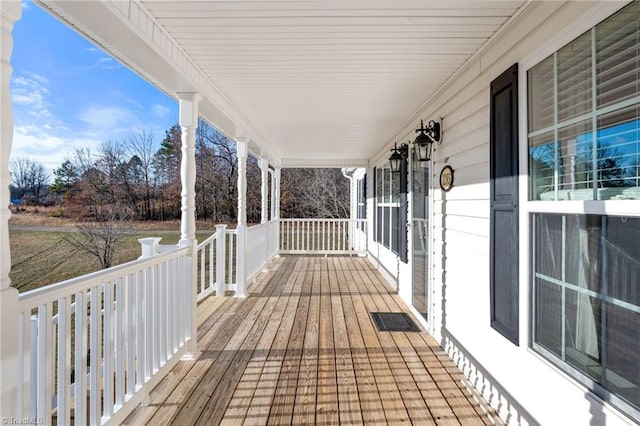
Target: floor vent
(394,321)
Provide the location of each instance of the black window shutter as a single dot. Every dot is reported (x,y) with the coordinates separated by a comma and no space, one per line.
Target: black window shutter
(374,195)
(403,213)
(504,204)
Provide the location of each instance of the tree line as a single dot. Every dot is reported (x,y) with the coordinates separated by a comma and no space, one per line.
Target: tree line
(133,179)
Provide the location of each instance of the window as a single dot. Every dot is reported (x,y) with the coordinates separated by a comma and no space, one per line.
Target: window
(388,227)
(584,145)
(584,115)
(587,298)
(361,212)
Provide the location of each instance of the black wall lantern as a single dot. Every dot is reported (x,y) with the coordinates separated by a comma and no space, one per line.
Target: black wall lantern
(425,139)
(398,157)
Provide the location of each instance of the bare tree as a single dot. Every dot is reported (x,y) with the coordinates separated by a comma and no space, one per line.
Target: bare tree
(100,239)
(318,193)
(141,147)
(28,177)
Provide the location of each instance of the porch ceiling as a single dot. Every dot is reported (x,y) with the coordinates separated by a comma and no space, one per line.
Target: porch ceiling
(331,81)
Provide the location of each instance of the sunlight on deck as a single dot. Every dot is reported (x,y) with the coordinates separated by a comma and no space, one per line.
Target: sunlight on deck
(302,349)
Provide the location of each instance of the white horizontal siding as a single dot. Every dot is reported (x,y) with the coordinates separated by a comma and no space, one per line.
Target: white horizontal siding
(536,392)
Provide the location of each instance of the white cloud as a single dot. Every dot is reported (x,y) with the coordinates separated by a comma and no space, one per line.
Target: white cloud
(107,117)
(46,148)
(160,111)
(31,91)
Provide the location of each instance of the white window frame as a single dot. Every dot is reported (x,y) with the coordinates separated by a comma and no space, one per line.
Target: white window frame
(630,208)
(384,166)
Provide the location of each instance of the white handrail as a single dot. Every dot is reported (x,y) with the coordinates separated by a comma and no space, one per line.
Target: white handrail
(92,347)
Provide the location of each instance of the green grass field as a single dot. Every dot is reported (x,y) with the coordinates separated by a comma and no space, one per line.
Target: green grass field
(40,258)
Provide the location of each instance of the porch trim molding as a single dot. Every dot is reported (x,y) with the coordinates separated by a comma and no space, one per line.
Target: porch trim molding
(323,163)
(10,11)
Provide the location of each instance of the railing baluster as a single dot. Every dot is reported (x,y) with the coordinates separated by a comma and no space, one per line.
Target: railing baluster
(148,323)
(130,330)
(119,339)
(202,269)
(80,364)
(33,370)
(161,312)
(171,318)
(94,356)
(24,358)
(175,299)
(141,364)
(64,361)
(43,371)
(107,327)
(155,319)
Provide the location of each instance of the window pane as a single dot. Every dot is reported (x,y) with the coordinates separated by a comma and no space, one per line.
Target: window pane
(583,235)
(548,246)
(623,347)
(385,226)
(575,158)
(574,78)
(617,57)
(395,187)
(541,97)
(379,189)
(395,230)
(549,316)
(619,154)
(386,182)
(583,331)
(622,258)
(542,158)
(379,223)
(587,310)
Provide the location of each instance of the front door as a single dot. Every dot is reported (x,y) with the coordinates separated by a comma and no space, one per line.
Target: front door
(420,229)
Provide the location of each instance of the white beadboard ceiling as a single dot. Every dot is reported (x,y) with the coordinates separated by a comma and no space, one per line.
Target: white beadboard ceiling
(315,79)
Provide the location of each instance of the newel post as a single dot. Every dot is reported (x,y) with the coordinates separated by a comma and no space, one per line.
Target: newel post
(241,273)
(221,264)
(10,11)
(188,112)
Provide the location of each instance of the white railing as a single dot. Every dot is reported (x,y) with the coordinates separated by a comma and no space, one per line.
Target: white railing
(91,348)
(323,236)
(217,263)
(261,247)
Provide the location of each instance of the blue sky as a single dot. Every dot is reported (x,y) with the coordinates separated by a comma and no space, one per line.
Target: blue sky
(69,94)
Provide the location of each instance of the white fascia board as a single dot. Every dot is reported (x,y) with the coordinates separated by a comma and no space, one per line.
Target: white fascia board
(324,163)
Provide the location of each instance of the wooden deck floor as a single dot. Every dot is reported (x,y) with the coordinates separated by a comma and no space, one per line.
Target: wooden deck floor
(302,349)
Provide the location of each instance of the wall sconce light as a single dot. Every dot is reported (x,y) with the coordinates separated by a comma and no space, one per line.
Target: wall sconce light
(399,155)
(424,141)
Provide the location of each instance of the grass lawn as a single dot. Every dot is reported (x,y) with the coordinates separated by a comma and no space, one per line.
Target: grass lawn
(41,257)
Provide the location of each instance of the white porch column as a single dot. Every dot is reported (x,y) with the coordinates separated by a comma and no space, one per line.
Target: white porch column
(188,114)
(273,194)
(264,169)
(188,105)
(276,204)
(241,273)
(10,11)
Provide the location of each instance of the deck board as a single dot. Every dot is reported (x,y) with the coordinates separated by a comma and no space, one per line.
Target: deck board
(302,349)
